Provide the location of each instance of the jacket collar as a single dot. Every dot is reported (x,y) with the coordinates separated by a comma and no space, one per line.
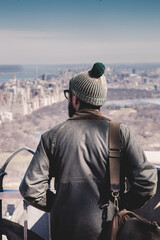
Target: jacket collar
(87,113)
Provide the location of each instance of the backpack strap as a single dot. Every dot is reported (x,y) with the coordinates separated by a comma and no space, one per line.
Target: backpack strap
(114,160)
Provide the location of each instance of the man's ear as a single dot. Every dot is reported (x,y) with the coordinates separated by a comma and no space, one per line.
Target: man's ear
(75,102)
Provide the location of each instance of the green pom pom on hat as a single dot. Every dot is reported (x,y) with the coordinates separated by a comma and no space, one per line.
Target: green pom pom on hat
(90,86)
(97,70)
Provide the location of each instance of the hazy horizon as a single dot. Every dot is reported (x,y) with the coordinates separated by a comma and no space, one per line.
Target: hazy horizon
(79,32)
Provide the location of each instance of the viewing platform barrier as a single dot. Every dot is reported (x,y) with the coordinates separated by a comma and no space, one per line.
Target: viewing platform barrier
(15,194)
(153,157)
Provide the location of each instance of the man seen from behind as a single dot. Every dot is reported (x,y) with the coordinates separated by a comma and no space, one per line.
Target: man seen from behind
(75,153)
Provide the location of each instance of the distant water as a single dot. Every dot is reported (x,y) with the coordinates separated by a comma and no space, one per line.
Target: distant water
(131,102)
(30,71)
(24,71)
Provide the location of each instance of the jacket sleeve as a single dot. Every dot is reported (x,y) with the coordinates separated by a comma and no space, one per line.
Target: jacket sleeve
(35,184)
(141,174)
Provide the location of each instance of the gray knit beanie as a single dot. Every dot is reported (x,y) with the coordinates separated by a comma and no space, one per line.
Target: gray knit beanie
(90,86)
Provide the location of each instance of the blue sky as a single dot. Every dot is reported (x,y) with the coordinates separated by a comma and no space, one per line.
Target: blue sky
(85,31)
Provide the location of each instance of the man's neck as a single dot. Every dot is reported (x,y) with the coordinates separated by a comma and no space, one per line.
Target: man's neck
(88,113)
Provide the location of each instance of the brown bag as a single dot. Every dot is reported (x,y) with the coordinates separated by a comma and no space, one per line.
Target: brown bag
(126,225)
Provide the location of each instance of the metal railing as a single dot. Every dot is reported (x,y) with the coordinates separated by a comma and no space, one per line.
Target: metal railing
(12,194)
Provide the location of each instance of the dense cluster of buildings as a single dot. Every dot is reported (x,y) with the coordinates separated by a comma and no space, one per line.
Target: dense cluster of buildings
(23,97)
(133,78)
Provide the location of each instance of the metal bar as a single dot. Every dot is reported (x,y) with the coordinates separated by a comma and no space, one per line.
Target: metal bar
(0,218)
(3,168)
(25,220)
(11,194)
(49,226)
(13,154)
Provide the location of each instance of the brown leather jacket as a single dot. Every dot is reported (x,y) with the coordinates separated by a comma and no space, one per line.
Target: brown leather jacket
(75,153)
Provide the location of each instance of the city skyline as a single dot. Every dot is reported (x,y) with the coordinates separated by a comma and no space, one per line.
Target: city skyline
(68,32)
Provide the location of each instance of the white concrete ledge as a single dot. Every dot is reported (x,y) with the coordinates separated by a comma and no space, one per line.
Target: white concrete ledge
(153,157)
